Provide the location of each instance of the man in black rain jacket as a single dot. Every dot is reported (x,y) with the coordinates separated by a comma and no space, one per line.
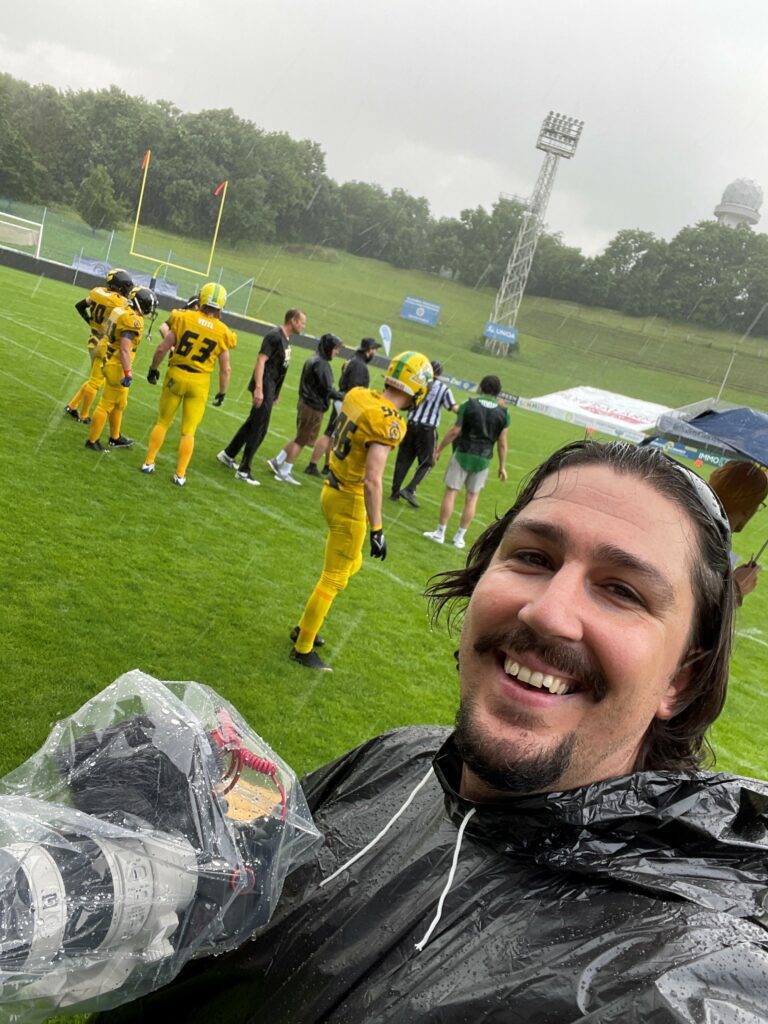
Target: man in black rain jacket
(560,856)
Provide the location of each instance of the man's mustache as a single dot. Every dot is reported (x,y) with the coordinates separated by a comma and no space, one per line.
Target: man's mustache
(560,656)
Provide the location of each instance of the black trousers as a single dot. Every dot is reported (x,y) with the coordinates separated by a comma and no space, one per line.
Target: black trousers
(251,434)
(419,443)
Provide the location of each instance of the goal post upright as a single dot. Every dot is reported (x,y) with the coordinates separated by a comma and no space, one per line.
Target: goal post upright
(159,264)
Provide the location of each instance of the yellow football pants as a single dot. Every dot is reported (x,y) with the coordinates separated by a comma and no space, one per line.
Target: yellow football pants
(114,399)
(190,390)
(347,526)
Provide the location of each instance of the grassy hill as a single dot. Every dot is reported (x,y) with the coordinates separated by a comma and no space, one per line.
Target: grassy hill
(562,344)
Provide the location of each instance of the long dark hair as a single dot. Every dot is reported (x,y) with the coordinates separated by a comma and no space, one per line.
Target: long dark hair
(678,743)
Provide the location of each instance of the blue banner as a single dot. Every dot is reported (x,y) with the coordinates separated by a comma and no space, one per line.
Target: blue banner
(683,451)
(498,332)
(420,312)
(100,269)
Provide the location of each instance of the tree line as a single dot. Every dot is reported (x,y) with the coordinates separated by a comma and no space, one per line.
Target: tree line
(84,149)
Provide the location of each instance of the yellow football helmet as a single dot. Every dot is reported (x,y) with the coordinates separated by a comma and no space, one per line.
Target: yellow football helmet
(410,372)
(213,295)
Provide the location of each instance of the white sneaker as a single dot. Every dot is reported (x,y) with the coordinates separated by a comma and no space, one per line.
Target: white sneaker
(439,538)
(148,467)
(226,460)
(179,480)
(287,478)
(459,542)
(246,478)
(272,463)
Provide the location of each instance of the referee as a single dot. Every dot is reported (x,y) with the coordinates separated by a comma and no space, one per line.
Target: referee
(421,438)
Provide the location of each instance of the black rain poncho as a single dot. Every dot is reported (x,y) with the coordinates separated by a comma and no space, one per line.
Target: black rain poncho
(638,900)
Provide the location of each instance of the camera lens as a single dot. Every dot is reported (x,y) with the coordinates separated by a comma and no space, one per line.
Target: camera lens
(16,918)
(54,898)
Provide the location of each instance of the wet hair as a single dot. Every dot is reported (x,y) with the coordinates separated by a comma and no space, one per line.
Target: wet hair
(490,385)
(741,486)
(678,743)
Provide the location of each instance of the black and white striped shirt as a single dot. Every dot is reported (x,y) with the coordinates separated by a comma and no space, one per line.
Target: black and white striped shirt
(439,397)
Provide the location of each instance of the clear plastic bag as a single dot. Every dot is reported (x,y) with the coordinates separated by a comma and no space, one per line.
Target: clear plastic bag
(153,826)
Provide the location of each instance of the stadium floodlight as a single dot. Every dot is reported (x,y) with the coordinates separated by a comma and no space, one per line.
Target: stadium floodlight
(220,191)
(559,134)
(558,137)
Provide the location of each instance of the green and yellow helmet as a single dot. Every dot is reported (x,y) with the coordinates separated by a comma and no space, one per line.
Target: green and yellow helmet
(410,372)
(213,295)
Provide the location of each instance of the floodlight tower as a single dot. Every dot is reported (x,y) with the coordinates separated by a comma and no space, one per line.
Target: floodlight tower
(558,137)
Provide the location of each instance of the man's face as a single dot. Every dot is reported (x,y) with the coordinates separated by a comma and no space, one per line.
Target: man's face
(298,323)
(589,592)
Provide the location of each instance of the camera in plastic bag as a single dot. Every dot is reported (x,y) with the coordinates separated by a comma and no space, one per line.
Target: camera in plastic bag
(152,827)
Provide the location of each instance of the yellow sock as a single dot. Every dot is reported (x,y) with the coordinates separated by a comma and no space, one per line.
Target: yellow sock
(316,609)
(73,402)
(87,394)
(97,424)
(186,447)
(115,422)
(156,438)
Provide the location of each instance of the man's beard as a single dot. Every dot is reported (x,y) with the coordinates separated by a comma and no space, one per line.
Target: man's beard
(504,767)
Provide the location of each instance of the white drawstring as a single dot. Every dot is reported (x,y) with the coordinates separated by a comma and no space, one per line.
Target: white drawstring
(448,884)
(383,832)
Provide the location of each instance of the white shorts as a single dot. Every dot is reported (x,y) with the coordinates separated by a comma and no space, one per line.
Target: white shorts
(456,477)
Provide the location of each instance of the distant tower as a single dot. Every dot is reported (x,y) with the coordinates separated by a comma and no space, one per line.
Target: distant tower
(740,203)
(558,137)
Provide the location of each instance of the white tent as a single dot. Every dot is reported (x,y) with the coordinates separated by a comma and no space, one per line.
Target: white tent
(611,413)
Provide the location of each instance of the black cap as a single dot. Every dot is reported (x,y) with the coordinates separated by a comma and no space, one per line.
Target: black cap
(369,343)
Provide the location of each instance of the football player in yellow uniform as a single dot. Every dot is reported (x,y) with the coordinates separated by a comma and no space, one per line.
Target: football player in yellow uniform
(124,332)
(198,339)
(367,429)
(96,309)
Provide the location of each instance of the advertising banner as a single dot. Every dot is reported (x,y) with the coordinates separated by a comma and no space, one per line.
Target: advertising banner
(420,312)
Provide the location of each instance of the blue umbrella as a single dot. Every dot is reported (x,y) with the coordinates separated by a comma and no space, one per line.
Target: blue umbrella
(744,429)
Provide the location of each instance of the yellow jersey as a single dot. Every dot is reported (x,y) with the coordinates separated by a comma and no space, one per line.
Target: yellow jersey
(123,320)
(101,302)
(200,340)
(365,418)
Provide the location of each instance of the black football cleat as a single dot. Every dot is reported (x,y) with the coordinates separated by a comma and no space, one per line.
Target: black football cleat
(311,660)
(317,642)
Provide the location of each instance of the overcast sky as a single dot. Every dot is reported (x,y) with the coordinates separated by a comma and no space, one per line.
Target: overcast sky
(445,99)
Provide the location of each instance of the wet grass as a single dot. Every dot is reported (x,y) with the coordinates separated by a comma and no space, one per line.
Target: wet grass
(105,569)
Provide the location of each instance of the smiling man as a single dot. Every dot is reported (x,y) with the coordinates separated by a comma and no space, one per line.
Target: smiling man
(561,855)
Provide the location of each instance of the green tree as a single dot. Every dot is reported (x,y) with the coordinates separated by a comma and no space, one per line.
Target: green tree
(557,269)
(707,275)
(96,201)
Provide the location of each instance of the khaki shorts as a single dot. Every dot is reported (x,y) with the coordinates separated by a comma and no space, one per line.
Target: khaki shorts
(456,477)
(308,423)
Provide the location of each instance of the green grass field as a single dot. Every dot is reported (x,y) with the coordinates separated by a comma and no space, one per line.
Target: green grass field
(105,569)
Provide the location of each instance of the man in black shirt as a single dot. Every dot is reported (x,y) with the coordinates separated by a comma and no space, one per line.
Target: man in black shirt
(355,374)
(315,393)
(265,384)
